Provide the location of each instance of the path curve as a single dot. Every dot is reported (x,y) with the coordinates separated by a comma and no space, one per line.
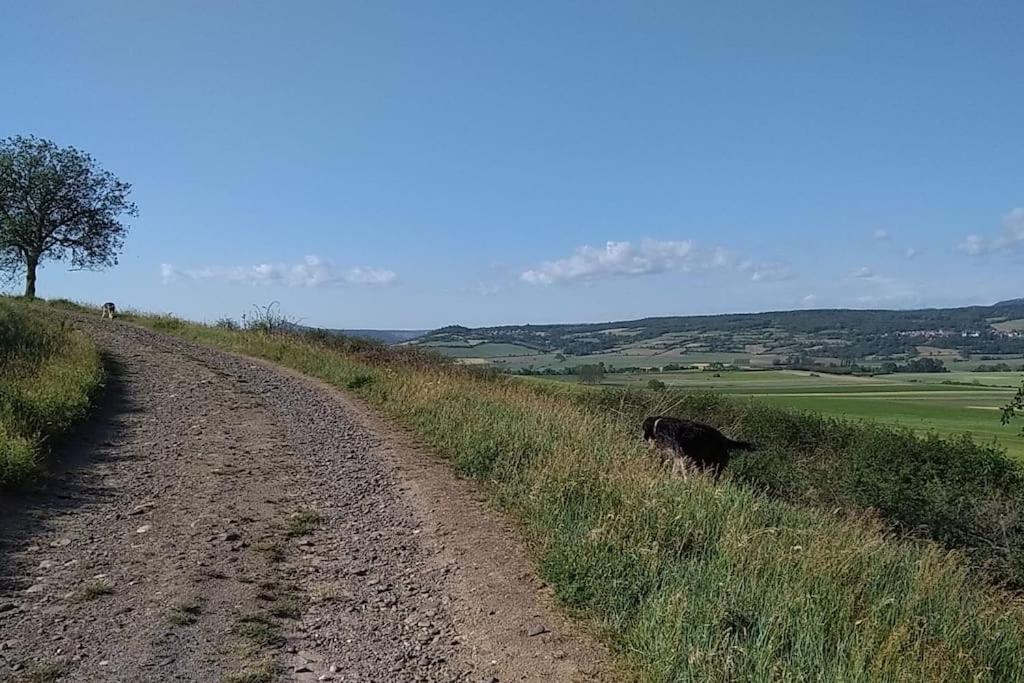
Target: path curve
(225,520)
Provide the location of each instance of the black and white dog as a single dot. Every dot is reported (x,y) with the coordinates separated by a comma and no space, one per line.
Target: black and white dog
(692,444)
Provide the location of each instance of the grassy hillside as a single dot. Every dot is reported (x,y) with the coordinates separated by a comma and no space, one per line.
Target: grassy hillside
(948,403)
(967,496)
(385,336)
(685,580)
(48,375)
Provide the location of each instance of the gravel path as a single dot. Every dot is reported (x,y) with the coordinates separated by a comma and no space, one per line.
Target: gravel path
(222,520)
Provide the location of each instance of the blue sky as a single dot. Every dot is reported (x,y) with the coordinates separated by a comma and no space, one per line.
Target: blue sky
(401,164)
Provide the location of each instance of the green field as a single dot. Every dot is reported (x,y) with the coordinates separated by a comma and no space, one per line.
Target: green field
(1010,325)
(972,363)
(494,351)
(514,357)
(947,403)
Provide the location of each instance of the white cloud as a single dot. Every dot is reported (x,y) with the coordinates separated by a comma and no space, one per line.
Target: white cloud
(370,276)
(312,271)
(765,272)
(649,257)
(902,296)
(719,257)
(1010,239)
(810,300)
(621,259)
(911,252)
(867,276)
(974,245)
(880,235)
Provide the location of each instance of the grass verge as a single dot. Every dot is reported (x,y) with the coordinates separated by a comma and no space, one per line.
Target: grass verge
(49,374)
(684,579)
(962,494)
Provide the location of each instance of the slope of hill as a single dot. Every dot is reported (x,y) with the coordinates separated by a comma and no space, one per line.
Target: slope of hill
(832,333)
(384,336)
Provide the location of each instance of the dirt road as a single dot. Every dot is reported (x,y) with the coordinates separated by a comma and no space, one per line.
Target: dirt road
(222,520)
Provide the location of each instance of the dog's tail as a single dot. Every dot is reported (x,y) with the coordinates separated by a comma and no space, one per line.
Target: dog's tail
(739,445)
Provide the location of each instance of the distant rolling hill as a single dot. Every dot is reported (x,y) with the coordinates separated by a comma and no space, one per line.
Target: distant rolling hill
(842,334)
(385,336)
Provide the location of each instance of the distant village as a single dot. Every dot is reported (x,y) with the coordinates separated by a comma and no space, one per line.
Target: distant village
(966,334)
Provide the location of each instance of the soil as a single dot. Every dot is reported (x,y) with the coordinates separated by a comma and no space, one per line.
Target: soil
(221,519)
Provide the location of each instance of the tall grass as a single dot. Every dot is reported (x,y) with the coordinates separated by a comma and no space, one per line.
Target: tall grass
(965,495)
(686,580)
(48,375)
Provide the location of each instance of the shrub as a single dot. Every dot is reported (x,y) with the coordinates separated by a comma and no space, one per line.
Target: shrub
(167,323)
(591,374)
(965,495)
(48,375)
(359,381)
(268,319)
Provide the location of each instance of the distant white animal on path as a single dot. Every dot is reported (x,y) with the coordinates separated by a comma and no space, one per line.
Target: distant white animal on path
(109,310)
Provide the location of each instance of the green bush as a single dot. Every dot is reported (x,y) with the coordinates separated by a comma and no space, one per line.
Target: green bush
(167,323)
(48,376)
(965,495)
(359,381)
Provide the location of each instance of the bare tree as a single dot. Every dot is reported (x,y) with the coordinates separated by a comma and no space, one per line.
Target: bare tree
(57,204)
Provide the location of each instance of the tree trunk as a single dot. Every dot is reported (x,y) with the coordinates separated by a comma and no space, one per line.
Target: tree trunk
(30,278)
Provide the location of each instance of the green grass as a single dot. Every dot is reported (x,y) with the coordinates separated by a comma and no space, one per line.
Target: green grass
(303,523)
(93,591)
(286,608)
(49,374)
(272,551)
(43,673)
(686,580)
(258,630)
(946,403)
(485,350)
(513,357)
(185,613)
(965,495)
(263,671)
(951,414)
(1010,325)
(973,362)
